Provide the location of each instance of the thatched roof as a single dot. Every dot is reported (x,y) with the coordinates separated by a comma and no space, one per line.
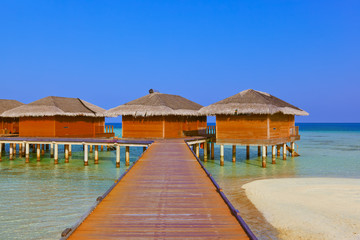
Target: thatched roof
(56,106)
(157,104)
(252,102)
(6,104)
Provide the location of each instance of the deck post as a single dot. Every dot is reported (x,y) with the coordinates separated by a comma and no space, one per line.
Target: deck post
(86,158)
(127,156)
(66,153)
(205,151)
(247,152)
(42,149)
(52,149)
(38,152)
(197,147)
(273,154)
(11,150)
(292,149)
(90,148)
(212,150)
(259,151)
(284,151)
(1,147)
(70,152)
(56,153)
(222,155)
(96,160)
(264,156)
(117,155)
(27,149)
(234,153)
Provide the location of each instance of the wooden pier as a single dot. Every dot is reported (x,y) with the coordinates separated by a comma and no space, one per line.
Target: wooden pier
(167,194)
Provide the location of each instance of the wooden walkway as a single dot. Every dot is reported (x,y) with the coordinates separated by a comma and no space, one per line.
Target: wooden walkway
(166,195)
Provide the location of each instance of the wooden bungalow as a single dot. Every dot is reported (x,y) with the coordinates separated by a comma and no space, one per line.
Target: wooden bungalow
(9,125)
(159,115)
(59,117)
(254,118)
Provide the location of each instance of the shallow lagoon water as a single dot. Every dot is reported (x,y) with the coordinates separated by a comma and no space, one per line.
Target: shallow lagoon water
(39,200)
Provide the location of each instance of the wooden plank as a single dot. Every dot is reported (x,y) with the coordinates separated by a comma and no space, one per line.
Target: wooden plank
(166,195)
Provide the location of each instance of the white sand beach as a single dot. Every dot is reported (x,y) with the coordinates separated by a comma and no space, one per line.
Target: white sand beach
(309,208)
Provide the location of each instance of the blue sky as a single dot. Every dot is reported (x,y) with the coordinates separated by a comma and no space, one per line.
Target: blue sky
(111,52)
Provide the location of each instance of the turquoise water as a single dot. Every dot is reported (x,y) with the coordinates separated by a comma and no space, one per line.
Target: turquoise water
(39,200)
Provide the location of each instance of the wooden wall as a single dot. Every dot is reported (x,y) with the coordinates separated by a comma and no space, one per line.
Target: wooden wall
(142,127)
(9,125)
(256,126)
(60,126)
(161,126)
(37,127)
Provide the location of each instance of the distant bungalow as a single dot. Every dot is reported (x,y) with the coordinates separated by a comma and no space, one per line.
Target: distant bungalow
(159,115)
(59,117)
(9,125)
(254,118)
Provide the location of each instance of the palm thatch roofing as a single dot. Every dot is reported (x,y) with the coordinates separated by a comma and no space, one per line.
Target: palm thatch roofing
(252,102)
(7,104)
(56,106)
(157,104)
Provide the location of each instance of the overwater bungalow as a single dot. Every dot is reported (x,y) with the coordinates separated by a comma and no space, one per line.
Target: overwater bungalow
(59,117)
(9,125)
(159,115)
(255,118)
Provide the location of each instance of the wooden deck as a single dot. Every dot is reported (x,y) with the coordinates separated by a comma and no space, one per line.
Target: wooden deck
(166,195)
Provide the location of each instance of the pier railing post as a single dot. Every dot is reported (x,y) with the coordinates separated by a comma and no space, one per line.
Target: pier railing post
(117,155)
(127,155)
(264,156)
(222,155)
(86,158)
(56,153)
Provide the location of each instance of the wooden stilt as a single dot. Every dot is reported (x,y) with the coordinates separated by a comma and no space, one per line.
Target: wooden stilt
(56,153)
(66,153)
(127,156)
(42,149)
(197,147)
(212,150)
(47,147)
(70,151)
(266,151)
(38,153)
(273,154)
(221,155)
(264,156)
(20,149)
(52,150)
(11,152)
(259,151)
(278,150)
(96,161)
(208,148)
(144,149)
(247,152)
(117,155)
(86,158)
(1,148)
(14,150)
(90,148)
(102,148)
(234,153)
(284,151)
(292,149)
(206,151)
(33,148)
(27,150)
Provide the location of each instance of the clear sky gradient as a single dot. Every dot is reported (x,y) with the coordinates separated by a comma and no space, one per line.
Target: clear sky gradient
(111,52)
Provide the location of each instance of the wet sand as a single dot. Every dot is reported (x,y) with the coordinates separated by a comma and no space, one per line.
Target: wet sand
(309,208)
